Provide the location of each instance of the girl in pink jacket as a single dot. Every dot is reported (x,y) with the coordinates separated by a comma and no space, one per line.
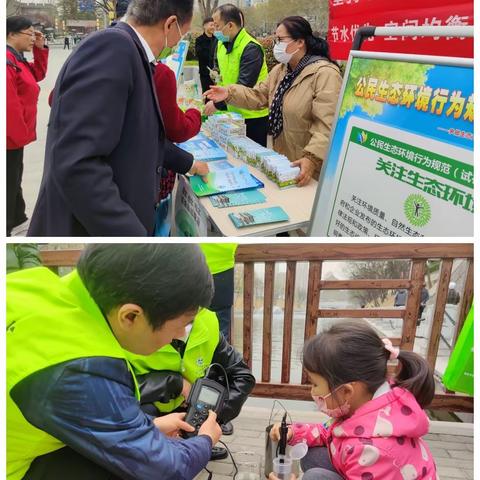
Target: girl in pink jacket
(377,424)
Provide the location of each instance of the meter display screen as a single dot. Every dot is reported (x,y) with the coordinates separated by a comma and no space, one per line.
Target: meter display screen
(208,395)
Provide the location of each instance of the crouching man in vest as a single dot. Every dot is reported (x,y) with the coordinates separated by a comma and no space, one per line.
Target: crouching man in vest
(73,408)
(165,378)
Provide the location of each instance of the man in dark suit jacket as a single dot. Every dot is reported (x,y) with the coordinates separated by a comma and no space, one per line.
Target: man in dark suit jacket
(106,145)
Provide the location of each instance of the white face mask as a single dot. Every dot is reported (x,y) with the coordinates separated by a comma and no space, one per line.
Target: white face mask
(280,52)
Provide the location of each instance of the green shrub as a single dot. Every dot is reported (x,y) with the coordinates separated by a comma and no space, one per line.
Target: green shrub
(267,44)
(192,38)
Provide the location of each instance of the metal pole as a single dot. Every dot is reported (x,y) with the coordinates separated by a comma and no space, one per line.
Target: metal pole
(365,32)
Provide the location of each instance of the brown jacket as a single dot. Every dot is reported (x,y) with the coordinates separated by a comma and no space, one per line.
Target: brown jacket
(308,109)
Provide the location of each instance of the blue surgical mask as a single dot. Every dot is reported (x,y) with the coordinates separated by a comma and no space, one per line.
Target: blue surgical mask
(220,36)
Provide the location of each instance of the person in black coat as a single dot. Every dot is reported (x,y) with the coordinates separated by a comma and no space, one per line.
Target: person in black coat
(165,385)
(205,46)
(106,145)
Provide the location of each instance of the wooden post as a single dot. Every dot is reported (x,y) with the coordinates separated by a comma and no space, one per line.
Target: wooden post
(248,293)
(409,329)
(438,317)
(267,321)
(288,320)
(313,301)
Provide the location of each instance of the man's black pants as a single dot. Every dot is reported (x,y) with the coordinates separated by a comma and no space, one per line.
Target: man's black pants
(15,202)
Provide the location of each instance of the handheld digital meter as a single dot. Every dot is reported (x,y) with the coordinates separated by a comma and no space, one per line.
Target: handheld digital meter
(205,395)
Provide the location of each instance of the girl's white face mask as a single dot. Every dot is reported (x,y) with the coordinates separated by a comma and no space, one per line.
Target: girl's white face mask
(280,52)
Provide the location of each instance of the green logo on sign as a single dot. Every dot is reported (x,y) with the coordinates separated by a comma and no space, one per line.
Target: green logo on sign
(417,210)
(362,137)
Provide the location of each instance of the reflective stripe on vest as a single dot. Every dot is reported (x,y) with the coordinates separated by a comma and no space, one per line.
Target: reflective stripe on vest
(229,64)
(201,345)
(220,257)
(50,320)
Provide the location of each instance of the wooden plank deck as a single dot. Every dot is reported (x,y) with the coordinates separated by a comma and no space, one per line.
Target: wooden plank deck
(450,443)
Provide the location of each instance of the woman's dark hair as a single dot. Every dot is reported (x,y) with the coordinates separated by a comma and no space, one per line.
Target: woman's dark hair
(150,12)
(231,13)
(353,351)
(18,23)
(300,29)
(166,280)
(207,20)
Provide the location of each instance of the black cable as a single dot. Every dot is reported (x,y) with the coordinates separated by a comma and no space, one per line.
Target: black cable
(226,376)
(284,409)
(228,396)
(233,460)
(210,473)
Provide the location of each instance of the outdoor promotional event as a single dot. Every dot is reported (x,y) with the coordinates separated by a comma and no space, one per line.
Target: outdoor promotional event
(183,118)
(185,293)
(245,361)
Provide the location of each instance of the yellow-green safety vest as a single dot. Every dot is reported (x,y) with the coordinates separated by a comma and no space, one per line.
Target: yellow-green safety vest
(50,320)
(201,345)
(229,64)
(220,257)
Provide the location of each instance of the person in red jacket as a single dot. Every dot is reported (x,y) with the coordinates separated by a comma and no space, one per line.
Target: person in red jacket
(180,126)
(22,97)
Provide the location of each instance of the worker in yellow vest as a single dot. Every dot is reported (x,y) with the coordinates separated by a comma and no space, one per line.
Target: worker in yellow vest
(166,377)
(220,259)
(240,59)
(73,409)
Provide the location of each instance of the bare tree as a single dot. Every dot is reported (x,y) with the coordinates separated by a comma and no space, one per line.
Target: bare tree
(13,7)
(106,5)
(207,7)
(376,269)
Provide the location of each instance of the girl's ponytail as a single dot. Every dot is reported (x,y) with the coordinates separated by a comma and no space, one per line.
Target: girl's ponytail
(416,376)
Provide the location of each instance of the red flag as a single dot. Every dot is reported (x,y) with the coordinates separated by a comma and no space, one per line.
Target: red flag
(347,16)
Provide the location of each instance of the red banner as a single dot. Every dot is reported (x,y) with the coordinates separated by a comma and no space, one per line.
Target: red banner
(347,16)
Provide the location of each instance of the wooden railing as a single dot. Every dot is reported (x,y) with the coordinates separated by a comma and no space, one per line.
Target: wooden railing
(316,254)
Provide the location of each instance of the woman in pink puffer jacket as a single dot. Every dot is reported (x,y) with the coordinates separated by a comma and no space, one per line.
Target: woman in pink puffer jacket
(377,424)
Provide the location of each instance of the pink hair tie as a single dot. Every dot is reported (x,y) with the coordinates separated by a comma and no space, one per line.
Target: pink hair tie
(394,352)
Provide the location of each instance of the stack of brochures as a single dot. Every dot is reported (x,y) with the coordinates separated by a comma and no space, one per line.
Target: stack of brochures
(222,127)
(204,149)
(279,169)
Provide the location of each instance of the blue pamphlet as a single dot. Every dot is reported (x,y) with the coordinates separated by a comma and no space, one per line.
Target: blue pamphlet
(230,180)
(219,165)
(203,149)
(248,197)
(259,217)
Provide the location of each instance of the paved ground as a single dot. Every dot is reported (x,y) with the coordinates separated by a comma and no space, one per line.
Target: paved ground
(450,443)
(35,152)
